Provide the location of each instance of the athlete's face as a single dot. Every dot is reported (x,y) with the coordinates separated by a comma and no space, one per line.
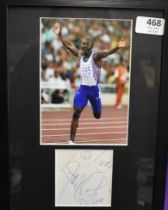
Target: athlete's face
(86,46)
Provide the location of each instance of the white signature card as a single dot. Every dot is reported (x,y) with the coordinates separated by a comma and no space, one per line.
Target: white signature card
(83,177)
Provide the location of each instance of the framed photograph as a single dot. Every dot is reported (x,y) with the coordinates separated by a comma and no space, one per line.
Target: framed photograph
(84,86)
(75,92)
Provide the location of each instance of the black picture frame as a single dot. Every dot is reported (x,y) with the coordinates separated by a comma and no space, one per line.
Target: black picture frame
(44,156)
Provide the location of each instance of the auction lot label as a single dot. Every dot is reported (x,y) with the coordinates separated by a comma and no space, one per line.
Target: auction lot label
(149,25)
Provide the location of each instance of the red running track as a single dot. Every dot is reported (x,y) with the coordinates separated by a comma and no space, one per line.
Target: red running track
(110,129)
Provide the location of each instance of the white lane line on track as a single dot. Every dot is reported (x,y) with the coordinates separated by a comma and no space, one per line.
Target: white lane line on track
(85,134)
(85,119)
(83,128)
(86,123)
(91,140)
(99,140)
(112,141)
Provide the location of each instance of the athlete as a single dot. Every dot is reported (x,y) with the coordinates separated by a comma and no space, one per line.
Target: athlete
(90,70)
(120,75)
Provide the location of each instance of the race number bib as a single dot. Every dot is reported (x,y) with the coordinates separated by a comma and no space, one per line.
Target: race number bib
(86,71)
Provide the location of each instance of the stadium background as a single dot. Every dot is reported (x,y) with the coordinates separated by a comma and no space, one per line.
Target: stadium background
(60,70)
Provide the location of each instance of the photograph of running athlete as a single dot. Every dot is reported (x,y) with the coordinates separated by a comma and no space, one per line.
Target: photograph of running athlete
(90,70)
(75,64)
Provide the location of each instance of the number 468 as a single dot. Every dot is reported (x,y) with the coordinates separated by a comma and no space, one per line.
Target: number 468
(154,22)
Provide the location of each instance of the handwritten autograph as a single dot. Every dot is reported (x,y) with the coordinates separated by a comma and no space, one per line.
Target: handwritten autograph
(87,186)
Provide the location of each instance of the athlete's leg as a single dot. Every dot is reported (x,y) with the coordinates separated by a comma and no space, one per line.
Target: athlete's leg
(80,101)
(75,122)
(95,101)
(96,107)
(119,94)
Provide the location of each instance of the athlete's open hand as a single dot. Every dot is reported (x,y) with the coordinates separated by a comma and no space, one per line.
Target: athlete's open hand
(57,30)
(123,43)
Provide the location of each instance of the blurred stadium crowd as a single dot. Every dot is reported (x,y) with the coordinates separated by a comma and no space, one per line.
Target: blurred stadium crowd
(60,69)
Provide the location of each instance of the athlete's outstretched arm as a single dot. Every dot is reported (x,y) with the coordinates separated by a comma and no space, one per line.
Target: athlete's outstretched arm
(66,43)
(104,53)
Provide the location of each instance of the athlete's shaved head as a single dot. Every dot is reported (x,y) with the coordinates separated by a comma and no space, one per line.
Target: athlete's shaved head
(89,39)
(87,45)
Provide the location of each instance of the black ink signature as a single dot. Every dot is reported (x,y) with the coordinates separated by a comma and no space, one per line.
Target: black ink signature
(100,161)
